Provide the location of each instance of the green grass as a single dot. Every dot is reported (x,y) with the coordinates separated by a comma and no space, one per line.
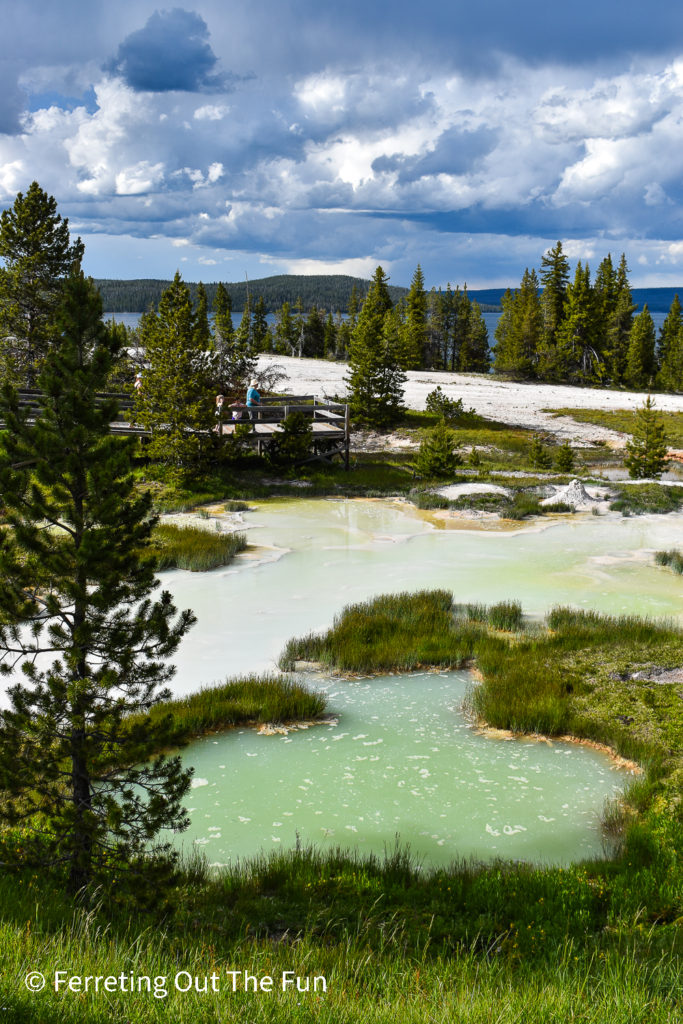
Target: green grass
(250,700)
(592,943)
(624,421)
(673,559)
(193,548)
(639,499)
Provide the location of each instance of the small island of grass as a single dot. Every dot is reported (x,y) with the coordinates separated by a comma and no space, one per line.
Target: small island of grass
(194,548)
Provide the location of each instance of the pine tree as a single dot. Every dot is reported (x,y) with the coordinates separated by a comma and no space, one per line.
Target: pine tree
(475,354)
(38,256)
(438,455)
(564,458)
(554,279)
(519,330)
(78,620)
(176,400)
(414,331)
(539,456)
(330,338)
(260,335)
(202,331)
(243,338)
(640,360)
(647,448)
(619,327)
(670,355)
(375,380)
(234,367)
(285,331)
(577,356)
(224,332)
(314,334)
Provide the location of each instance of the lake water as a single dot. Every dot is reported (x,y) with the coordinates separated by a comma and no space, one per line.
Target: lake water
(401,758)
(490,319)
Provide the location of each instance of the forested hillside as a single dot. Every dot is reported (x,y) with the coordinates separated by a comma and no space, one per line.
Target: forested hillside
(326,291)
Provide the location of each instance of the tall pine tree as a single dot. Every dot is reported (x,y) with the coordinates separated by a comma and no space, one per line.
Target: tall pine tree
(375,379)
(176,399)
(78,619)
(37,257)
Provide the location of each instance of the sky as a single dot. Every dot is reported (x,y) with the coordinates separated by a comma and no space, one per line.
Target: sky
(298,136)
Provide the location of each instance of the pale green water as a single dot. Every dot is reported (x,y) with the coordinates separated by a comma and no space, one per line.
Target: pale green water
(337,552)
(401,759)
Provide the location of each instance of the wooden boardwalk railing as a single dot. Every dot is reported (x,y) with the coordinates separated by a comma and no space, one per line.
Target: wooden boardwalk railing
(330,422)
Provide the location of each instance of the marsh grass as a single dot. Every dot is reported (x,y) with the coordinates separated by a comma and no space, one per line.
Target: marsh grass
(639,499)
(194,548)
(249,700)
(673,559)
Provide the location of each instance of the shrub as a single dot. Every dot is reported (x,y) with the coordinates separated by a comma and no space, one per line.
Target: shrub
(294,442)
(449,409)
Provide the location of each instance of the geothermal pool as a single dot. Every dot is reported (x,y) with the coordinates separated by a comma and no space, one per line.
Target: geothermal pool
(400,758)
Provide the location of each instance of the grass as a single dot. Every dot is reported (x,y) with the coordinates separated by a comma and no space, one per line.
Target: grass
(592,943)
(624,421)
(249,700)
(573,676)
(639,499)
(673,559)
(193,548)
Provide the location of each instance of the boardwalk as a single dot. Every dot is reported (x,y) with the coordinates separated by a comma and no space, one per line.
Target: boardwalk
(330,423)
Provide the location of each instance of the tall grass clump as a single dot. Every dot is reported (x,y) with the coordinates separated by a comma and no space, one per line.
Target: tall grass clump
(397,631)
(673,559)
(506,615)
(193,548)
(250,700)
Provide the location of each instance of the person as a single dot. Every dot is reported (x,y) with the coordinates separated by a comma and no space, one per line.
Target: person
(219,413)
(137,384)
(253,398)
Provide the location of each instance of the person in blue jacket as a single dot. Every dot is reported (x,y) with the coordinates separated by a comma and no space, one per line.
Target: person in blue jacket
(253,398)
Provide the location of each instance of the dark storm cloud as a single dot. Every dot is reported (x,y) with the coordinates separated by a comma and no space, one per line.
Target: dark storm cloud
(171,52)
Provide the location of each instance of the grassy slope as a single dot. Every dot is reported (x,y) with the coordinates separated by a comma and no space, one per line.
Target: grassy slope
(592,943)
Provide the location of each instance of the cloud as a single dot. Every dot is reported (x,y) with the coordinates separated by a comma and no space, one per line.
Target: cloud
(171,52)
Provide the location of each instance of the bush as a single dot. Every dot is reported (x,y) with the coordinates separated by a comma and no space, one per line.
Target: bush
(294,442)
(449,409)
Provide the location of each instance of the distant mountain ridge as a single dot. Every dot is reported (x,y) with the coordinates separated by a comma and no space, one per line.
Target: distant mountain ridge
(326,291)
